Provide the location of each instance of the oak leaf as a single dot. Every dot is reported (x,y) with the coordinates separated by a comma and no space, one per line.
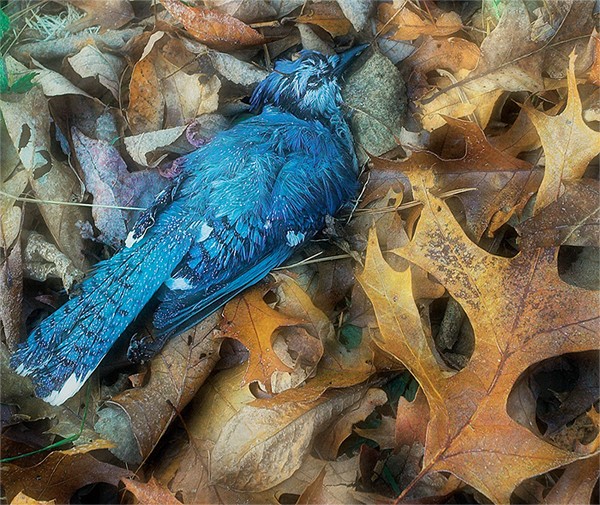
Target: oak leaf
(503,183)
(569,144)
(521,312)
(250,320)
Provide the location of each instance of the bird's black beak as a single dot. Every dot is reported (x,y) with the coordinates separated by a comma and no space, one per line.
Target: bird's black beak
(347,57)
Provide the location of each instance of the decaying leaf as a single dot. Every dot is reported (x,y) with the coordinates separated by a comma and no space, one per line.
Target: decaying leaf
(23,499)
(61,473)
(42,260)
(214,28)
(408,25)
(28,122)
(327,15)
(11,293)
(161,92)
(106,177)
(105,67)
(576,484)
(341,428)
(572,220)
(138,417)
(504,184)
(516,324)
(250,442)
(106,13)
(452,54)
(150,492)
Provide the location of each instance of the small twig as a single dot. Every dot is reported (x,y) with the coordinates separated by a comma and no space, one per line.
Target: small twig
(72,204)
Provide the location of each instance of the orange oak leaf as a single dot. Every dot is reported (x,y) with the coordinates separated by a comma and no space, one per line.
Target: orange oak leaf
(213,28)
(521,313)
(569,144)
(503,183)
(250,320)
(577,483)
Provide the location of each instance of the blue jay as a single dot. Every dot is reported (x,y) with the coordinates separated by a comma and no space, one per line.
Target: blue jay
(241,206)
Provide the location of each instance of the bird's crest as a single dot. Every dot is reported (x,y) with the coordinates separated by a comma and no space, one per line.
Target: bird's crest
(307,86)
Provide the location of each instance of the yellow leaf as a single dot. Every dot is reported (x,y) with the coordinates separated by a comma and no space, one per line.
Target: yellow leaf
(521,313)
(569,144)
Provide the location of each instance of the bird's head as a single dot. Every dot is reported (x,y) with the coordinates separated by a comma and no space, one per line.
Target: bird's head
(307,86)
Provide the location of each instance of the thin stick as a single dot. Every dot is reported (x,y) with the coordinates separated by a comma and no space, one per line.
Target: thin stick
(72,204)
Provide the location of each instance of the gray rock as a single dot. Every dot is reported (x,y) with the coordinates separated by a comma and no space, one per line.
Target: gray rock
(376,95)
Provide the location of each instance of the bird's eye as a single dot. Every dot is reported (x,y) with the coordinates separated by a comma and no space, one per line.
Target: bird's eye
(313,82)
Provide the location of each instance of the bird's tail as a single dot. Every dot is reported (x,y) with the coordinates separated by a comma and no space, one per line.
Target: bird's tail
(64,350)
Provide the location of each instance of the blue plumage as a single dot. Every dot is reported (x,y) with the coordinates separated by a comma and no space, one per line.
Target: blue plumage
(240,207)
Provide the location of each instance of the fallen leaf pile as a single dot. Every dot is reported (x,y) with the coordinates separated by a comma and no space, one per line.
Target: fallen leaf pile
(437,343)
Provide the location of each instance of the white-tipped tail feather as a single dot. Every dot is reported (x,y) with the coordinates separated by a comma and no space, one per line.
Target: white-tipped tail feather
(70,387)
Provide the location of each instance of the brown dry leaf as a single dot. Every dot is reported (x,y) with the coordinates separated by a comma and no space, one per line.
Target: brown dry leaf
(452,54)
(250,320)
(61,473)
(314,493)
(161,92)
(327,15)
(106,68)
(105,13)
(260,448)
(473,101)
(521,136)
(504,184)
(569,144)
(339,367)
(140,416)
(256,447)
(11,215)
(574,219)
(502,64)
(594,75)
(11,294)
(521,312)
(341,429)
(251,11)
(411,420)
(576,484)
(407,25)
(28,122)
(338,484)
(187,474)
(43,259)
(23,499)
(213,28)
(151,492)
